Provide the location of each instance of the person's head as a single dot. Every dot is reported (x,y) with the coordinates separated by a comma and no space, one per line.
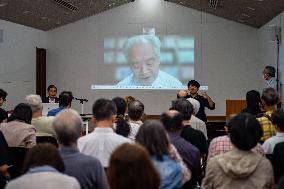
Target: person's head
(51,91)
(172,120)
(182,94)
(131,167)
(153,137)
(244,131)
(269,97)
(41,155)
(129,99)
(277,119)
(65,98)
(268,72)
(35,102)
(3,95)
(122,127)
(195,104)
(143,55)
(193,87)
(253,100)
(67,126)
(104,110)
(22,112)
(135,110)
(184,107)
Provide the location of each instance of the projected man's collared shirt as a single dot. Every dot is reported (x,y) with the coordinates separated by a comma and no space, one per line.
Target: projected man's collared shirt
(163,80)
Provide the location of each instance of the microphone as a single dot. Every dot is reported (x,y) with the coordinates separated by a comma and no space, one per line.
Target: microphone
(81,99)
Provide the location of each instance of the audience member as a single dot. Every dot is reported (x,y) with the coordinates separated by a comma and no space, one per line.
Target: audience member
(42,123)
(86,169)
(3,113)
(277,160)
(204,100)
(277,118)
(222,144)
(153,137)
(190,134)
(135,114)
(240,168)
(43,166)
(253,103)
(121,126)
(51,92)
(195,122)
(131,167)
(102,141)
(65,100)
(172,121)
(18,130)
(269,100)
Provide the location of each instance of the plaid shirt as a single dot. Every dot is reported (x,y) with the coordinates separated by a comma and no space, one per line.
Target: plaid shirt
(268,128)
(223,144)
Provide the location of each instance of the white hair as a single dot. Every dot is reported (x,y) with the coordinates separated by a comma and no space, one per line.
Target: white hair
(67,125)
(34,101)
(195,103)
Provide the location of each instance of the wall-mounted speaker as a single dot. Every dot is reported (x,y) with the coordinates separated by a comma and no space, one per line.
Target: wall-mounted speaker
(275,33)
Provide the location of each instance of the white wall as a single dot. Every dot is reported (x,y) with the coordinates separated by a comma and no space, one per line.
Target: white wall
(18,61)
(268,49)
(226,54)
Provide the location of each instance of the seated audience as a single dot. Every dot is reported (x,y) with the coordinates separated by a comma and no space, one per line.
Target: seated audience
(3,113)
(277,118)
(121,126)
(153,137)
(253,103)
(190,134)
(3,158)
(65,100)
(131,167)
(18,130)
(43,169)
(51,98)
(86,169)
(103,140)
(269,101)
(278,161)
(194,121)
(42,124)
(172,121)
(222,144)
(135,114)
(240,167)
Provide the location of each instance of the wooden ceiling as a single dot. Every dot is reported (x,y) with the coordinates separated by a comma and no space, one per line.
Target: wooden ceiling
(48,14)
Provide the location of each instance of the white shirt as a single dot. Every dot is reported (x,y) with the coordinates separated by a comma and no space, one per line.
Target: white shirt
(101,143)
(134,128)
(269,144)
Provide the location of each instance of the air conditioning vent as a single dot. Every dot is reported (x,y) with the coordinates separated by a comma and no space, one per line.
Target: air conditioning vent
(66,5)
(213,4)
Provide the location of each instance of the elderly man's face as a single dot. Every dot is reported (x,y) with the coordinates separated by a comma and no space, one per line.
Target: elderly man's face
(144,63)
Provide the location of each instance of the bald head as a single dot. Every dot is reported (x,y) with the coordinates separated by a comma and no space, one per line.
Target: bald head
(67,125)
(172,120)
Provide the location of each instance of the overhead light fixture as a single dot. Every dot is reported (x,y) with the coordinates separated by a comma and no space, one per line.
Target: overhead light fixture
(245,15)
(132,0)
(26,12)
(3,4)
(250,8)
(213,4)
(44,18)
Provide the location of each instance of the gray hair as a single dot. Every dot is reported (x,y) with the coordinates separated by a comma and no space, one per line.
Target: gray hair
(135,110)
(67,125)
(142,39)
(195,103)
(34,101)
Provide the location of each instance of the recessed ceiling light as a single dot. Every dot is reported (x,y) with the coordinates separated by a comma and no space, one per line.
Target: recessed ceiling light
(58,23)
(250,8)
(44,18)
(3,4)
(245,15)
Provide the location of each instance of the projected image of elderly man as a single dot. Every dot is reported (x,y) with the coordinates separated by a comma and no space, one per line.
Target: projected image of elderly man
(143,55)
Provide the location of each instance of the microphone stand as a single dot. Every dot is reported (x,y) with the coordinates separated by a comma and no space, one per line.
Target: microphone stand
(82,100)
